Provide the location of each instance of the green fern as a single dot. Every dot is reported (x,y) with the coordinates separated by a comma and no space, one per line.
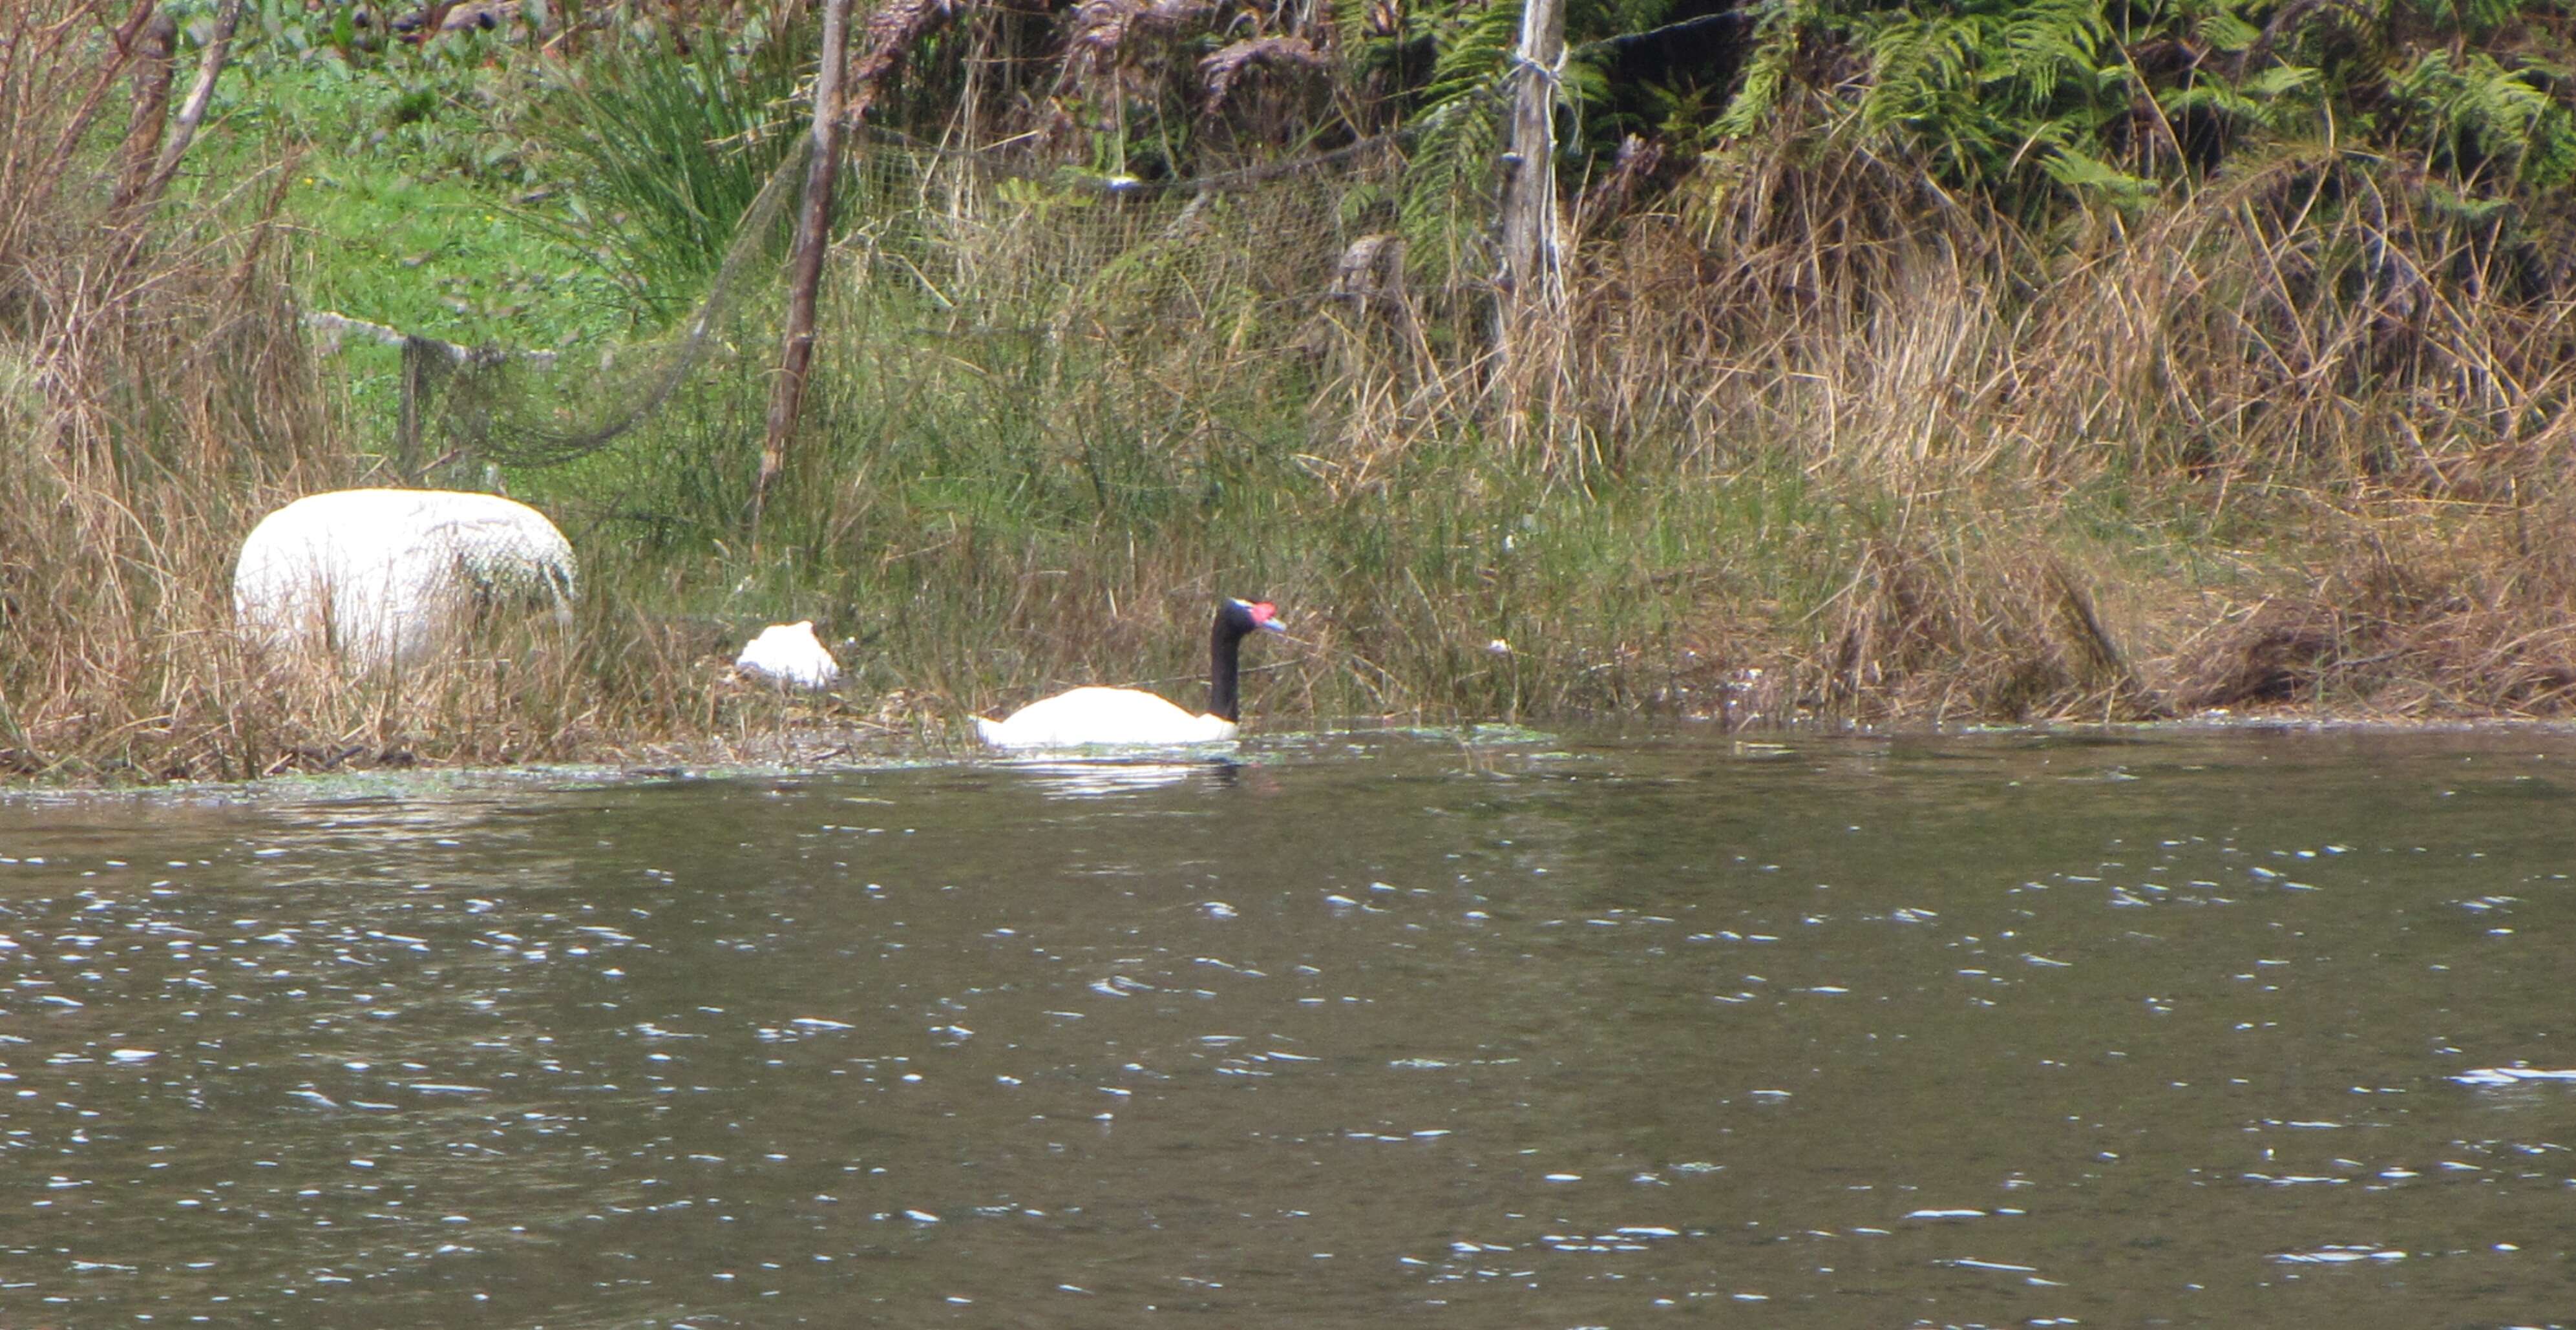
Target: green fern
(2225,29)
(1475,55)
(1448,180)
(2083,174)
(2474,17)
(2049,43)
(1987,89)
(2277,98)
(1766,75)
(1446,196)
(2479,119)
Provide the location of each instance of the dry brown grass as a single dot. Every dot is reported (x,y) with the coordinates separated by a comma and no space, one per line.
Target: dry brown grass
(2297,439)
(2418,609)
(2138,467)
(157,397)
(153,387)
(2307,363)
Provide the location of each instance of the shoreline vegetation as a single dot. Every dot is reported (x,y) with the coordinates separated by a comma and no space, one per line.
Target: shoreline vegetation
(1913,365)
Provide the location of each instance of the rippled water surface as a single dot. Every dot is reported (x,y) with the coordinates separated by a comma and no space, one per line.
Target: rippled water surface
(2241,1028)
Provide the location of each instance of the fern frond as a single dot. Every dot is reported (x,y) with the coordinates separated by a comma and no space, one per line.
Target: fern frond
(2469,16)
(2282,80)
(2051,40)
(1766,72)
(1446,185)
(2475,112)
(2228,31)
(2082,174)
(1474,56)
(1448,176)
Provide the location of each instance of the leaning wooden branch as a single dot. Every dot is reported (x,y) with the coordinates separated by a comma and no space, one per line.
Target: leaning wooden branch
(805,265)
(193,112)
(156,52)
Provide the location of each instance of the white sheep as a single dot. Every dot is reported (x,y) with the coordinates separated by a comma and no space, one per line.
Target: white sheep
(389,577)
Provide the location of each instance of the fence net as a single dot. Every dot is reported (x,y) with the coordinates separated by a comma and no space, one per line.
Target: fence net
(970,241)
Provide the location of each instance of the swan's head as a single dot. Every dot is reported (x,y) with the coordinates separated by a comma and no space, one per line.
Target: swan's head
(1245,615)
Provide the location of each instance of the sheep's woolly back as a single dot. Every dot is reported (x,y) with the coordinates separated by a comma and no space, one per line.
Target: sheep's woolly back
(385,577)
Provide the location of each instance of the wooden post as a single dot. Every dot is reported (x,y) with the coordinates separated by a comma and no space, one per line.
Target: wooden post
(805,265)
(1529,187)
(417,385)
(1529,318)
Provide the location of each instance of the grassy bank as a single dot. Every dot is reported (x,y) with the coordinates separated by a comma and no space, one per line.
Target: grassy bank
(1823,438)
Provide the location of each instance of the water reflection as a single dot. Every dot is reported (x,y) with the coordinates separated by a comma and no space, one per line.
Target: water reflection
(2254,1029)
(1104,777)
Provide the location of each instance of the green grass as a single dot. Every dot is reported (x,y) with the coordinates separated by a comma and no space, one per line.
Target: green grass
(992,515)
(980,517)
(419,200)
(986,524)
(441,258)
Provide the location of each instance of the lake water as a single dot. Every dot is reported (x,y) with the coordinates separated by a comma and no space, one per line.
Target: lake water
(2236,1028)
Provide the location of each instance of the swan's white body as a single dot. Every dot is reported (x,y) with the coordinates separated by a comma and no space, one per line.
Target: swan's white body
(1094,716)
(388,578)
(789,654)
(1100,717)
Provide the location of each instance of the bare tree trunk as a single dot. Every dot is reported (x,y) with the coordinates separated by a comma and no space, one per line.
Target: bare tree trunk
(1529,320)
(805,266)
(1529,191)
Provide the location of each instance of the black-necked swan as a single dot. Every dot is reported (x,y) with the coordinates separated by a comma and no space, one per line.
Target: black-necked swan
(1087,716)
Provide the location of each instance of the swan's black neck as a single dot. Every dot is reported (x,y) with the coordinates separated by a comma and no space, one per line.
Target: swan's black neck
(1225,661)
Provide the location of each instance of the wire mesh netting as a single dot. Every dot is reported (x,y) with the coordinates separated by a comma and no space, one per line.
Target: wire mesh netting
(982,245)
